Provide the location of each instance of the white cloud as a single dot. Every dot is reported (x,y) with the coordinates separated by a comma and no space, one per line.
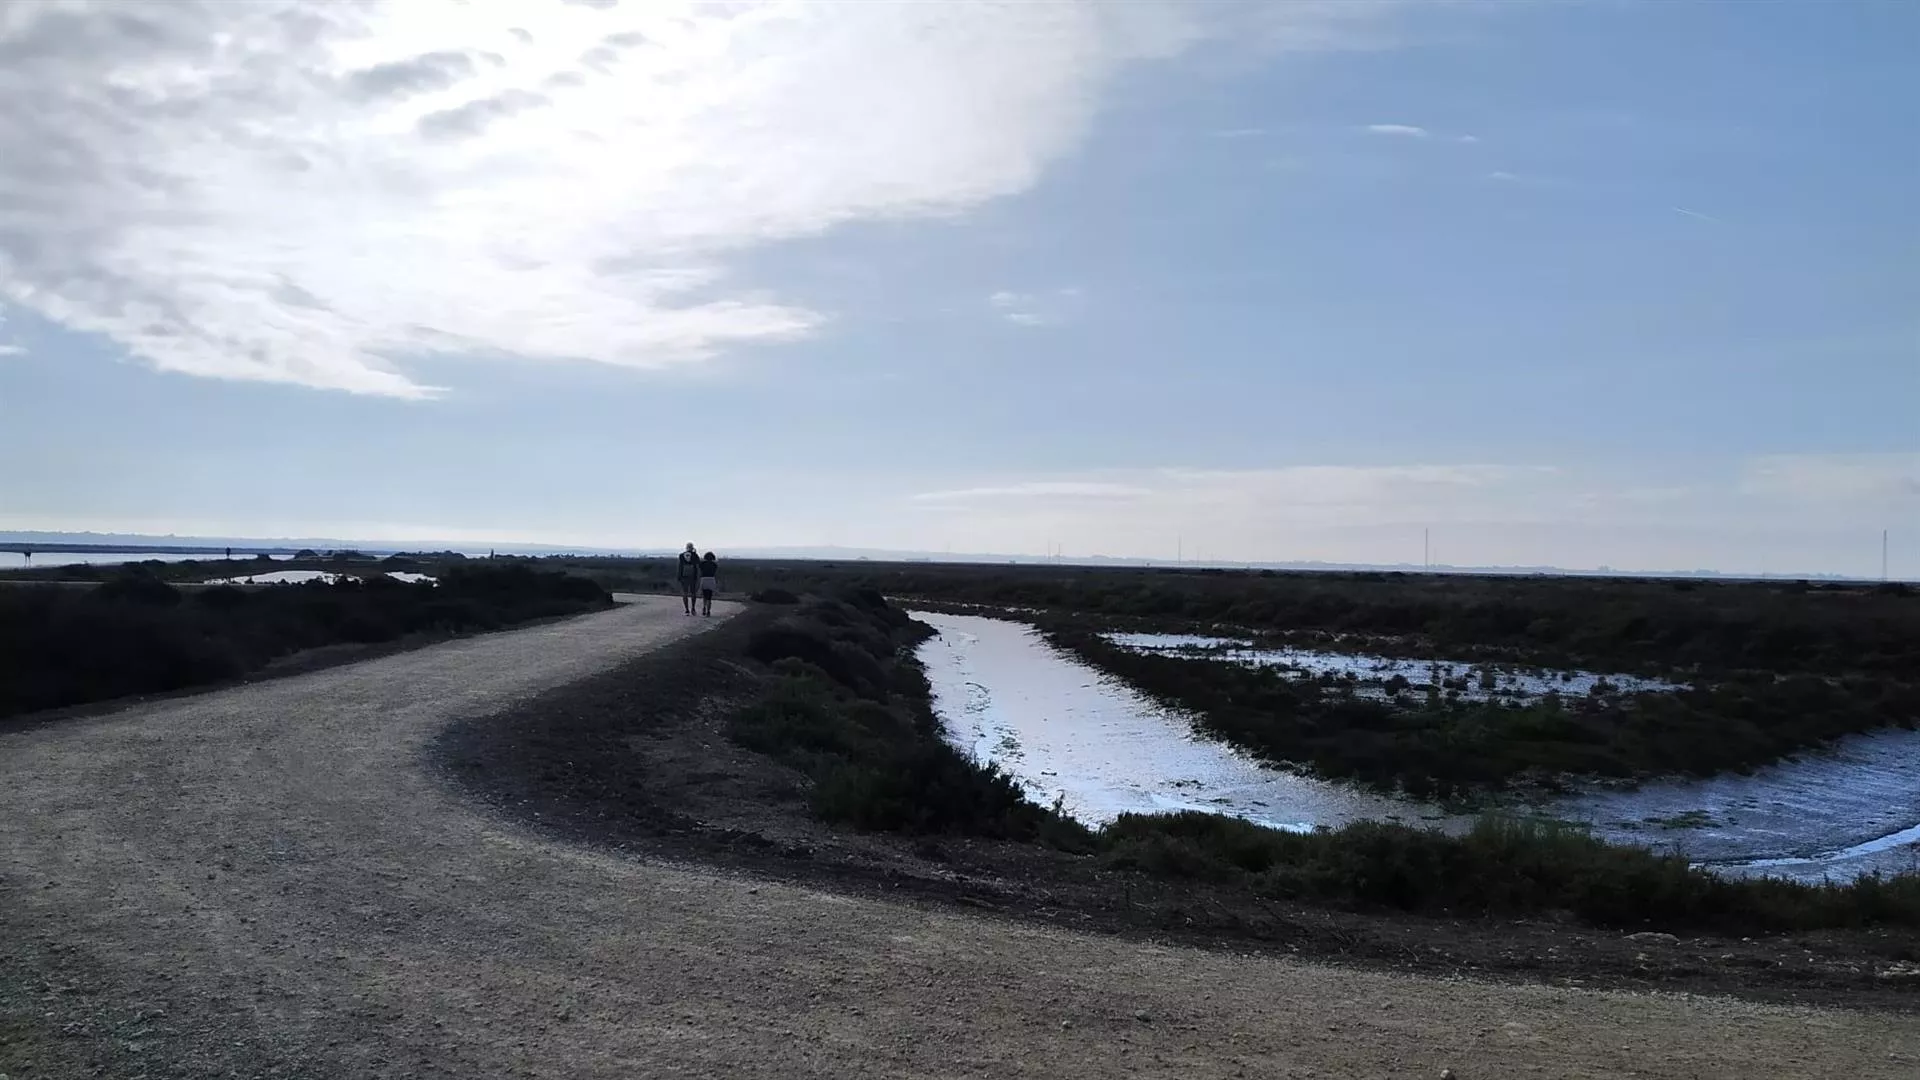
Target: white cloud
(1050,308)
(1411,131)
(1697,215)
(314,193)
(1321,493)
(1046,489)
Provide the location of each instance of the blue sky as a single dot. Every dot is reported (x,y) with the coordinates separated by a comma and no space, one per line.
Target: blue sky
(1582,284)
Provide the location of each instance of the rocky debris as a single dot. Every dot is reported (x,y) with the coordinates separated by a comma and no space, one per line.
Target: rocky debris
(1654,935)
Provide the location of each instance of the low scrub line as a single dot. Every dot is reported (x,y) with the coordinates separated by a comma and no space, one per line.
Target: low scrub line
(135,634)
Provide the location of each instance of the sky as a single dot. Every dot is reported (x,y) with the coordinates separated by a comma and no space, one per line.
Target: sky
(1579,284)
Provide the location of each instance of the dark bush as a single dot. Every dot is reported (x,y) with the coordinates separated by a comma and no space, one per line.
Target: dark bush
(856,665)
(139,589)
(132,635)
(1499,868)
(774,596)
(848,707)
(221,597)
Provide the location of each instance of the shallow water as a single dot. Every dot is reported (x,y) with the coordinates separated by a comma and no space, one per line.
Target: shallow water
(1840,813)
(1458,679)
(294,577)
(277,577)
(1063,729)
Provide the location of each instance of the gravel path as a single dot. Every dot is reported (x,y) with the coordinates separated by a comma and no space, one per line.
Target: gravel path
(268,881)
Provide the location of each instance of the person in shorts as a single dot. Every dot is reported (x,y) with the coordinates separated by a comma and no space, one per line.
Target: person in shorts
(709,582)
(688,572)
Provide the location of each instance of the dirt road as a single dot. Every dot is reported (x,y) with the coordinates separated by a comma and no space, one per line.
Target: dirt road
(269,881)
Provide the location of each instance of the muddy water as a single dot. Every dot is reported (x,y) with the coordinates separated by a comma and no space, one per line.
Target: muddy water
(1064,730)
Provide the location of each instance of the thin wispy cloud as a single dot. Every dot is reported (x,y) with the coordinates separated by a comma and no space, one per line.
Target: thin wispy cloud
(1237,133)
(1697,215)
(1412,131)
(1837,477)
(317,193)
(1036,489)
(1049,308)
(1299,488)
(7,345)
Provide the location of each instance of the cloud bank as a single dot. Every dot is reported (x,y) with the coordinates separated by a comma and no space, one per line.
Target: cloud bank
(1775,512)
(315,193)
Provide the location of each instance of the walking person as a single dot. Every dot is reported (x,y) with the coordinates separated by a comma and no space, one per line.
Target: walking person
(709,582)
(689,573)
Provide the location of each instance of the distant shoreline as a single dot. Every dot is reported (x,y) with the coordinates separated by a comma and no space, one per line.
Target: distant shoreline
(157,549)
(123,544)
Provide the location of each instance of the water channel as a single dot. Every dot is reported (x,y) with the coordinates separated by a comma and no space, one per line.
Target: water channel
(1066,731)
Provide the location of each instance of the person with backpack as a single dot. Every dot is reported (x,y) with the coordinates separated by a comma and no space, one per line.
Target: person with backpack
(709,581)
(689,576)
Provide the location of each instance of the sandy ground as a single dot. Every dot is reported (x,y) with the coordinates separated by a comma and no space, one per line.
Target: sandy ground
(270,881)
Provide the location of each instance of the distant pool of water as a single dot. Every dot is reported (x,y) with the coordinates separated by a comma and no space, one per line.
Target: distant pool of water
(294,577)
(1370,675)
(1065,730)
